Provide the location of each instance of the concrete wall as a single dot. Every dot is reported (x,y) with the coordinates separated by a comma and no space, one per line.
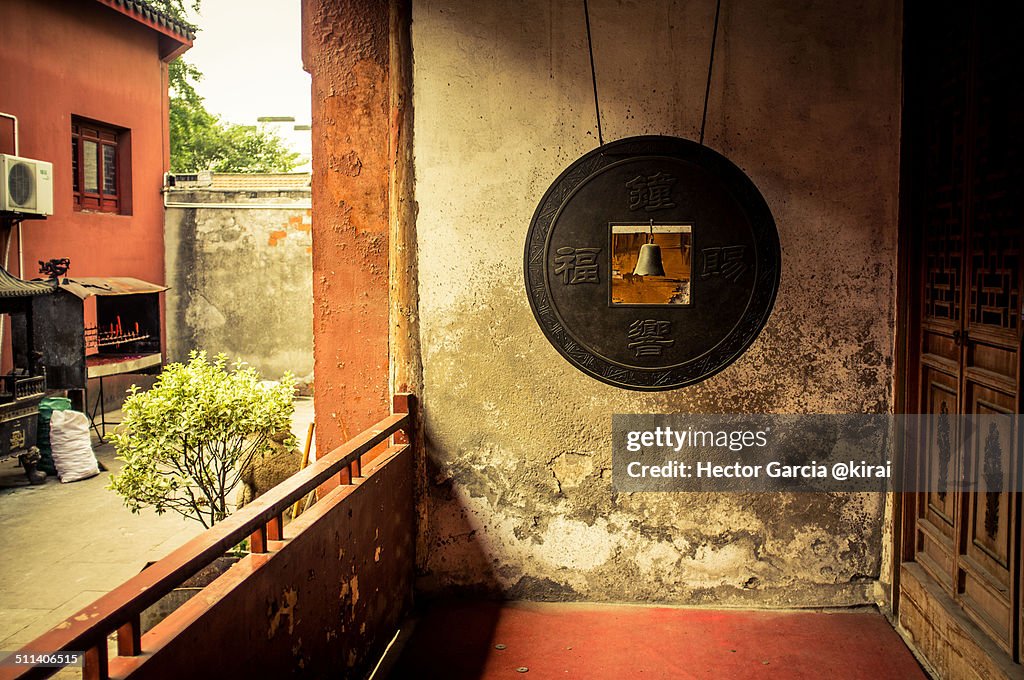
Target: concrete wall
(805,99)
(241,278)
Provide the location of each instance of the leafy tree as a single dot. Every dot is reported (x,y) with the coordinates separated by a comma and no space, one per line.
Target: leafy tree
(186,442)
(200,140)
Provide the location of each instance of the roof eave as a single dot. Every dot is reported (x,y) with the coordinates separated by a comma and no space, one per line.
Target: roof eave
(175,39)
(172,48)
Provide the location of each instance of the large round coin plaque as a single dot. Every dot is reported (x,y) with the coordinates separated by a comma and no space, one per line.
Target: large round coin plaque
(652,263)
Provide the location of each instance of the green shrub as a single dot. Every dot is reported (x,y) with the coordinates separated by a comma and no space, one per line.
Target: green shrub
(187,440)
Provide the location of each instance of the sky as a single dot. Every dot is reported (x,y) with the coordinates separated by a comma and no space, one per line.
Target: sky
(249,52)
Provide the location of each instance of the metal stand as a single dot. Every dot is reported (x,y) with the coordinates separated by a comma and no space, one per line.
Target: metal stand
(101,430)
(148,363)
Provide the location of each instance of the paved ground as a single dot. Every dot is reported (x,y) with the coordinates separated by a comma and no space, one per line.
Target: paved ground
(64,545)
(485,641)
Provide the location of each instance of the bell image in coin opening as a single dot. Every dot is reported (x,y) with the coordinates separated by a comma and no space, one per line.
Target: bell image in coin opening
(651,264)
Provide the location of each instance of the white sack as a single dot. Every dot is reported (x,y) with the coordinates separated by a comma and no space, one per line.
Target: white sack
(72,447)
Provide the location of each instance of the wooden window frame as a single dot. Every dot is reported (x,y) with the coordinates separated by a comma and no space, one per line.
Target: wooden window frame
(106,198)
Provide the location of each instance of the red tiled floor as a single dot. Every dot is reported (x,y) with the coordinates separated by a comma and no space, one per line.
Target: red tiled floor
(596,642)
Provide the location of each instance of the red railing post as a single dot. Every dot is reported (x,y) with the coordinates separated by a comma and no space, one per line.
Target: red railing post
(345,475)
(258,540)
(404,402)
(274,532)
(129,637)
(95,664)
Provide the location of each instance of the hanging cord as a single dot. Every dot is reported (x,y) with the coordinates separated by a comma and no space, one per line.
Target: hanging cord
(593,73)
(711,63)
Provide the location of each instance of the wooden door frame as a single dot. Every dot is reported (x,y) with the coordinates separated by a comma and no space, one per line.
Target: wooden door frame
(907,352)
(906,365)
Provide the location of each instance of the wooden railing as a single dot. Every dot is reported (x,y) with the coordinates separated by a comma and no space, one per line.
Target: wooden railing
(261,522)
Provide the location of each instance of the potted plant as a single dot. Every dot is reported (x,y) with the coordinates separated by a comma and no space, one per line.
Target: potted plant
(187,441)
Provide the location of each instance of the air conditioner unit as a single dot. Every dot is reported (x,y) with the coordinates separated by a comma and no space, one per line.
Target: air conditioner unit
(26,186)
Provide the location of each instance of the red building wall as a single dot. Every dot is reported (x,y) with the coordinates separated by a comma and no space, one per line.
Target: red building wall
(60,58)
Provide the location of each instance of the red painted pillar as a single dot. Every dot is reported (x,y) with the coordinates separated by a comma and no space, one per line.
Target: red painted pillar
(345,49)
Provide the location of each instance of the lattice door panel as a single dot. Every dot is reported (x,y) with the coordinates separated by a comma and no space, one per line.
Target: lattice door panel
(997,180)
(941,188)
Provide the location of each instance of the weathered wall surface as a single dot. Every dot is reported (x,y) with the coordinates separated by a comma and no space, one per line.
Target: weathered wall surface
(241,278)
(805,99)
